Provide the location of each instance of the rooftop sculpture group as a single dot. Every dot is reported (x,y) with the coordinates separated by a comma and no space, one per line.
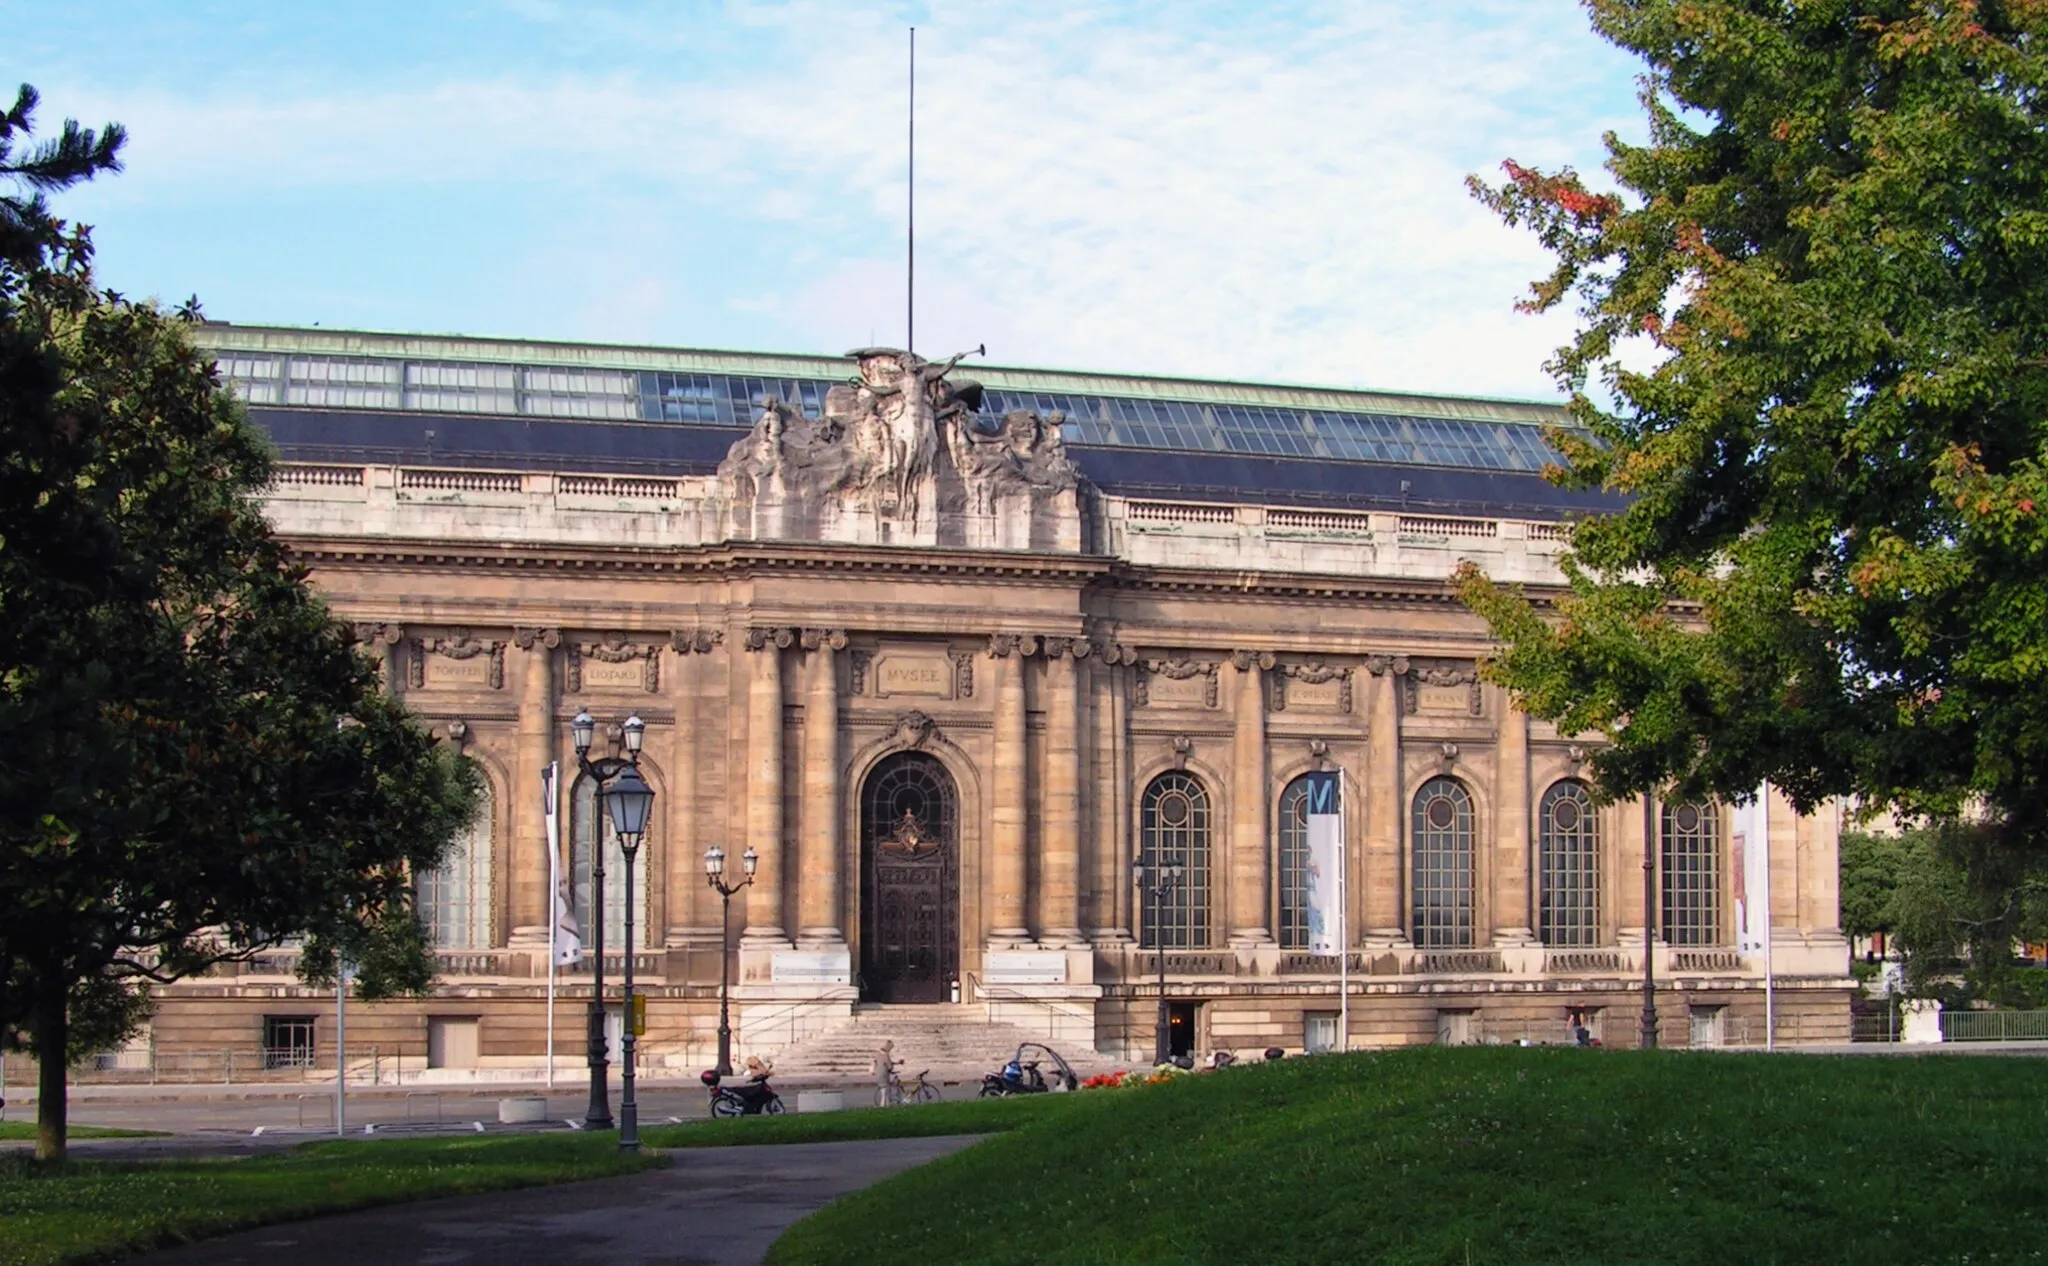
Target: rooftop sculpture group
(900,455)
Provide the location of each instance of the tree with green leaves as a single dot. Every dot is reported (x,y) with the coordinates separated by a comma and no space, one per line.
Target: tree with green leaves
(1813,361)
(1953,905)
(200,762)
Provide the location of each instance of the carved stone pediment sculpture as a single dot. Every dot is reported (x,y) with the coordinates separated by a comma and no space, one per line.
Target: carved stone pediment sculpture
(901,455)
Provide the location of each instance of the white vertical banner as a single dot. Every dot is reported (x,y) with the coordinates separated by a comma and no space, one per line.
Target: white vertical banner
(567,936)
(1325,878)
(1749,844)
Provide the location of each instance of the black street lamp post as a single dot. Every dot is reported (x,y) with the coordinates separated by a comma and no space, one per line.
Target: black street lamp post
(1164,879)
(634,797)
(1647,1038)
(714,872)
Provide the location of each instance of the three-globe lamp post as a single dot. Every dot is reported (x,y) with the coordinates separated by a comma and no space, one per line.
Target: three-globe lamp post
(714,872)
(1164,879)
(628,803)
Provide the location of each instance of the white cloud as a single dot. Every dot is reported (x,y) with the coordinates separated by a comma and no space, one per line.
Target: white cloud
(1193,192)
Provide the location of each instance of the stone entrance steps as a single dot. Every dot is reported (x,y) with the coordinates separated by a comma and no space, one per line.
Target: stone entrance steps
(950,1039)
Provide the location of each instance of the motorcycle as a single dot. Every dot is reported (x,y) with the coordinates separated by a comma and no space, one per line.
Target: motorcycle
(751,1098)
(1021,1076)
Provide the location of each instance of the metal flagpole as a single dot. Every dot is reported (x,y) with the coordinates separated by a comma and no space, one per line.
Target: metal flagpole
(1763,818)
(341,974)
(551,818)
(910,198)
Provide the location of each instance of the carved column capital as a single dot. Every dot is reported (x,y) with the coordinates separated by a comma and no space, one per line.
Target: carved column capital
(763,638)
(1381,665)
(1244,660)
(527,639)
(388,634)
(696,641)
(834,639)
(1064,647)
(1003,645)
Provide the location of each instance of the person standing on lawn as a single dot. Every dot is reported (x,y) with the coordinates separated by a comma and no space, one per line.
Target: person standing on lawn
(886,1064)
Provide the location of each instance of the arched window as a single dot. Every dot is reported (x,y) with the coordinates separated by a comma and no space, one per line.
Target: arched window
(1441,845)
(455,897)
(1294,865)
(1173,825)
(584,816)
(1568,850)
(1691,857)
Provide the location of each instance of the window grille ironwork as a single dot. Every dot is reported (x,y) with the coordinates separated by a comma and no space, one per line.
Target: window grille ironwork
(1173,828)
(455,897)
(287,1041)
(1293,921)
(1690,857)
(584,816)
(1441,849)
(1568,833)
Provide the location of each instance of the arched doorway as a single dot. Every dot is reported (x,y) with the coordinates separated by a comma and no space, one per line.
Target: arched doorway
(910,880)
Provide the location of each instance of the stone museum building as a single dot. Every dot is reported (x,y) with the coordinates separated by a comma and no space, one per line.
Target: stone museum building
(951,648)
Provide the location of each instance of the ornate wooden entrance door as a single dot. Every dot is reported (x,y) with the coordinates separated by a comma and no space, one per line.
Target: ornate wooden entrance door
(910,881)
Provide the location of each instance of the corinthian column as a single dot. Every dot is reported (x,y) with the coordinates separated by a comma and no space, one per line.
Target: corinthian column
(530,898)
(1250,868)
(1007,862)
(818,899)
(1383,869)
(1059,898)
(1511,853)
(764,784)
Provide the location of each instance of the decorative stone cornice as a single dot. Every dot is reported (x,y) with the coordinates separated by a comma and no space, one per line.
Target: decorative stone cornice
(527,639)
(813,639)
(613,648)
(696,641)
(763,638)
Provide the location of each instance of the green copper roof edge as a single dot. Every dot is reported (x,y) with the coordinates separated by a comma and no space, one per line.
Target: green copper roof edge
(220,336)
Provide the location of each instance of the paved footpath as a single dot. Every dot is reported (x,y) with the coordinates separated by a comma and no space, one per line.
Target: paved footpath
(715,1206)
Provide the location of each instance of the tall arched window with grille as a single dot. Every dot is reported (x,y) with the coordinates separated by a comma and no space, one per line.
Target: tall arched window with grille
(1568,852)
(585,817)
(1293,922)
(1691,857)
(1173,826)
(1441,849)
(455,897)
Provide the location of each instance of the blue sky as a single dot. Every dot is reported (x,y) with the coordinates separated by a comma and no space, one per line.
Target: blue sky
(1221,190)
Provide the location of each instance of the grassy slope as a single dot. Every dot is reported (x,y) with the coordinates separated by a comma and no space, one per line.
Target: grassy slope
(1493,1155)
(12,1130)
(89,1210)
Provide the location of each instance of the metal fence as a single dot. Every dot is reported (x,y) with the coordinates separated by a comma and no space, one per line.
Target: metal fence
(367,1065)
(1994,1026)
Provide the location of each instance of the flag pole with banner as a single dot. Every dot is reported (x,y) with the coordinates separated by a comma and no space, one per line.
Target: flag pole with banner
(1750,837)
(1325,886)
(550,817)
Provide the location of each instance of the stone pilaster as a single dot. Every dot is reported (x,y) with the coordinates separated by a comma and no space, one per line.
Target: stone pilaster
(382,641)
(531,902)
(1059,897)
(1626,886)
(1251,863)
(818,883)
(1110,919)
(764,785)
(1511,917)
(1008,864)
(1385,871)
(690,920)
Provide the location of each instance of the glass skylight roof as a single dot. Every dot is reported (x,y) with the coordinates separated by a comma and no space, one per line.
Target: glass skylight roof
(727,400)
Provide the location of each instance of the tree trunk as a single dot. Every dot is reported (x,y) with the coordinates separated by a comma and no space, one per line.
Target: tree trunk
(50,1070)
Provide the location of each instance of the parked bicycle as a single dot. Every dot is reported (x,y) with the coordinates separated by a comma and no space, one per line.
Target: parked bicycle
(916,1090)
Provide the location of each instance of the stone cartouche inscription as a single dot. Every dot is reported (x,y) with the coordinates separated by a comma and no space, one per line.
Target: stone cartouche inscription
(929,676)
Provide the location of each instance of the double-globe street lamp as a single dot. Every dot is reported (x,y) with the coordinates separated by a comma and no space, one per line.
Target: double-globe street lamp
(628,802)
(1164,879)
(714,871)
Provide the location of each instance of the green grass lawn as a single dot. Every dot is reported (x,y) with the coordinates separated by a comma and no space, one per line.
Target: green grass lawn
(1491,1155)
(924,1120)
(91,1210)
(11,1131)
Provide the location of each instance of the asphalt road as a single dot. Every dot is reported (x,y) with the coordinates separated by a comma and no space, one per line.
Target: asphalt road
(718,1206)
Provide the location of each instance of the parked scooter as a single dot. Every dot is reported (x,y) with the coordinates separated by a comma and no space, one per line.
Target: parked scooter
(1021,1076)
(750,1098)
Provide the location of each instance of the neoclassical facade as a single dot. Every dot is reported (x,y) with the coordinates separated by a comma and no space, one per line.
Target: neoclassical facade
(950,657)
